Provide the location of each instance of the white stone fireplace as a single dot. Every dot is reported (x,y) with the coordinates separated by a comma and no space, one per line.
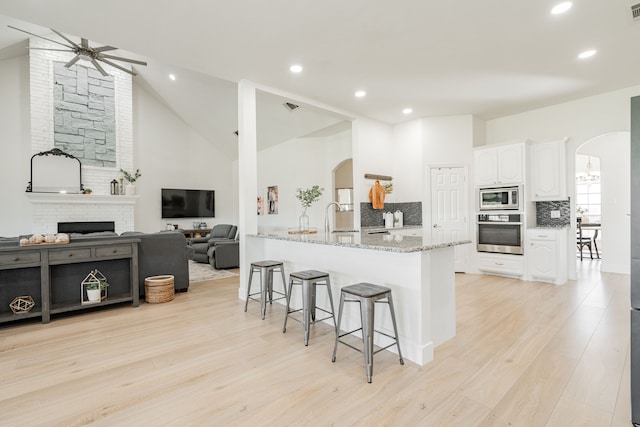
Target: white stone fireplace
(51,208)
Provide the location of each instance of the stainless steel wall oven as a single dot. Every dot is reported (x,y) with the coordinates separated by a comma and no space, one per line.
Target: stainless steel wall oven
(500,233)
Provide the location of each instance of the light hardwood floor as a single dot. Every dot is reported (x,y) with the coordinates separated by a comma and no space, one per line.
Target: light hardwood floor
(525,354)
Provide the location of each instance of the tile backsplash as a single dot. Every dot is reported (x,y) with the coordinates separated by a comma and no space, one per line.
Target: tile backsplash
(543,213)
(411,213)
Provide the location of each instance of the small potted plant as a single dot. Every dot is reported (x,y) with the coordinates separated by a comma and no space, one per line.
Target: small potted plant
(130,189)
(307,198)
(96,287)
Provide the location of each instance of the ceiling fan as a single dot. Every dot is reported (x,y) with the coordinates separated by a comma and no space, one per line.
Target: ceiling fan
(87,53)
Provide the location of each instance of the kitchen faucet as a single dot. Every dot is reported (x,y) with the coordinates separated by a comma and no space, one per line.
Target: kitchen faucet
(326,215)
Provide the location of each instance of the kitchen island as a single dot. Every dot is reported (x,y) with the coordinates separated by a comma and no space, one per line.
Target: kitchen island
(420,274)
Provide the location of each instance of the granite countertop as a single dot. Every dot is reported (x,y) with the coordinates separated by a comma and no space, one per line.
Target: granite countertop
(549,227)
(380,242)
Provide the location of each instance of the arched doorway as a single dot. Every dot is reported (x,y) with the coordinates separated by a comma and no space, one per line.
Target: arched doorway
(612,150)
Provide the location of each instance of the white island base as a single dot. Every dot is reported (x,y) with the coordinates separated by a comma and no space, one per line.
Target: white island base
(422,280)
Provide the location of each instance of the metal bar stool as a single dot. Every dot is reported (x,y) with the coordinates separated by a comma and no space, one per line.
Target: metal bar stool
(266,269)
(367,294)
(309,280)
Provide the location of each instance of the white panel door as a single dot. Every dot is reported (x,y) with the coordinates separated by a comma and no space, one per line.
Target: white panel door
(449,210)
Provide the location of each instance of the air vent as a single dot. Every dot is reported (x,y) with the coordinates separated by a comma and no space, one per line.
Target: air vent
(289,106)
(635,11)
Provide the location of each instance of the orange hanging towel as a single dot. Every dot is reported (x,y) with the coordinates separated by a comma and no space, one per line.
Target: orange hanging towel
(376,195)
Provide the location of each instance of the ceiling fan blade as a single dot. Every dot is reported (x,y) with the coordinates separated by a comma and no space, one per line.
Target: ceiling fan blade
(104,48)
(119,67)
(99,67)
(118,58)
(44,38)
(74,44)
(73,61)
(84,43)
(46,48)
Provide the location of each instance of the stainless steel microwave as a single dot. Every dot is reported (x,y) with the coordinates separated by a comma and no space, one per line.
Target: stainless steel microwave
(499,198)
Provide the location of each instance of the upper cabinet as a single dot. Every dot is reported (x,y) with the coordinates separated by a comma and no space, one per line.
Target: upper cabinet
(499,165)
(548,171)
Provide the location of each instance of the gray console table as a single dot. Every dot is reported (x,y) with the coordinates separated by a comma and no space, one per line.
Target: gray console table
(52,274)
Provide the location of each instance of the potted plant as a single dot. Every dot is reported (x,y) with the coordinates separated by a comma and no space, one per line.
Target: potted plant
(95,284)
(307,198)
(94,290)
(130,189)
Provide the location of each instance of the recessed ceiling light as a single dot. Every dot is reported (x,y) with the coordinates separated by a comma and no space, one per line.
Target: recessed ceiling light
(407,111)
(561,8)
(296,68)
(172,77)
(587,54)
(360,94)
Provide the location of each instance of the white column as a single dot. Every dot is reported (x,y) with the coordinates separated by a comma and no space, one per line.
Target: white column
(247,171)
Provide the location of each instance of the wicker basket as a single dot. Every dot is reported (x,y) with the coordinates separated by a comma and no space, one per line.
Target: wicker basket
(158,289)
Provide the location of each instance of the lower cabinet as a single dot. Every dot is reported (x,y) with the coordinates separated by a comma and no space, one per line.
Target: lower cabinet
(545,251)
(502,264)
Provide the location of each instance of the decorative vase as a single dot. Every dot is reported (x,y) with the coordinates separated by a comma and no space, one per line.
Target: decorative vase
(93,295)
(130,190)
(303,221)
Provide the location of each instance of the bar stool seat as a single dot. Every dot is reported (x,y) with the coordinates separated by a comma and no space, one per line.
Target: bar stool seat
(266,270)
(309,280)
(367,294)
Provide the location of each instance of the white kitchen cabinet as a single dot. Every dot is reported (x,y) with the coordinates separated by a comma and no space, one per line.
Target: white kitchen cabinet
(501,264)
(545,251)
(499,165)
(548,171)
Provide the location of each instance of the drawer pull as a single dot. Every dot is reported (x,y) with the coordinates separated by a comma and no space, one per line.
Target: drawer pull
(115,251)
(17,258)
(70,255)
(499,263)
(543,235)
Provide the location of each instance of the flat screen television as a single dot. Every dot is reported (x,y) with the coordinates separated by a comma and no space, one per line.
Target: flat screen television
(181,203)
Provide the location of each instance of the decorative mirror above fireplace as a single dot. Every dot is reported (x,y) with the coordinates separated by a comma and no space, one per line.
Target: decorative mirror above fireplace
(55,171)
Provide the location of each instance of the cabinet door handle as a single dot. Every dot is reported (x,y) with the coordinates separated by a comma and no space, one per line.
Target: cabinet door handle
(499,263)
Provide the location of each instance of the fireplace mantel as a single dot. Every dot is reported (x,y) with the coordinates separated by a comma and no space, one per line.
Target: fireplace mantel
(60,198)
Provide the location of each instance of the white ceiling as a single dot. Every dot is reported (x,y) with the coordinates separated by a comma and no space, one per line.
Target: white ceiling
(489,58)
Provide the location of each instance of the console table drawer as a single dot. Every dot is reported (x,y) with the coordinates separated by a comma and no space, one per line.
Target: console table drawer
(70,254)
(19,258)
(110,251)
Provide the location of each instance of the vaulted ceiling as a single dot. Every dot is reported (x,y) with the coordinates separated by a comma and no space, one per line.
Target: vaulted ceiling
(488,58)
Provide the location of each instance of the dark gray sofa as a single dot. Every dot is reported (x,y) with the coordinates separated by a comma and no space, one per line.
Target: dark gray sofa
(202,245)
(224,254)
(163,253)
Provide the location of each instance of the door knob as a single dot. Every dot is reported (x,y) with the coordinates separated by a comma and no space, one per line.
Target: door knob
(435,225)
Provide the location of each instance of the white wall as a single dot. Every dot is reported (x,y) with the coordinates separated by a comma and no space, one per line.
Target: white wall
(15,145)
(616,199)
(407,163)
(300,163)
(170,154)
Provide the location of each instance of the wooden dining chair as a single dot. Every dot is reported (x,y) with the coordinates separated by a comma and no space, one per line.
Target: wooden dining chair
(582,241)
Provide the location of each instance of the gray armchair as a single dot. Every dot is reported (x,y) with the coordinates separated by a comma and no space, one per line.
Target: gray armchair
(224,254)
(219,233)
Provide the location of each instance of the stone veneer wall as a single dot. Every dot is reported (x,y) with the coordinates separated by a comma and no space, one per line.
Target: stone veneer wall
(42,138)
(543,213)
(411,213)
(84,114)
